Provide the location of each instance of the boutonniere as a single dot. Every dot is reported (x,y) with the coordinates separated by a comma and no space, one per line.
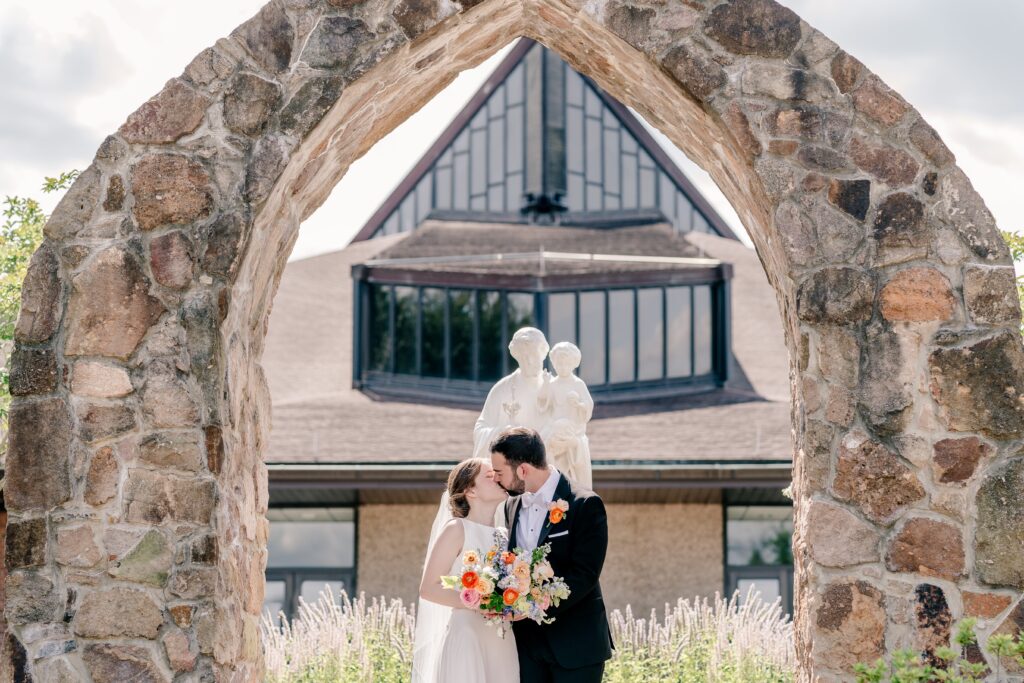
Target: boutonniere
(557,510)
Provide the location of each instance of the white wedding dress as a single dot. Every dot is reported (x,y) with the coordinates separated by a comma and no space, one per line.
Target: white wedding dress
(472,651)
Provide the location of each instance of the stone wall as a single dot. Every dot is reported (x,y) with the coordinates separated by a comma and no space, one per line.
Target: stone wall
(136,487)
(659,553)
(383,531)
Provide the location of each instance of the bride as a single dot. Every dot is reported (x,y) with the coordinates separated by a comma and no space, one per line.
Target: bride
(453,643)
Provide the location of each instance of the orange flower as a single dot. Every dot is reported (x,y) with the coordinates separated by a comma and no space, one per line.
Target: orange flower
(557,510)
(470,579)
(510,596)
(508,558)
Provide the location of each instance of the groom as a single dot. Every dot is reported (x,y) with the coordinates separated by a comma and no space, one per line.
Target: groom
(573,648)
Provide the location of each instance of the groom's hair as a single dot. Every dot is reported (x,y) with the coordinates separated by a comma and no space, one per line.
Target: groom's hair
(521,445)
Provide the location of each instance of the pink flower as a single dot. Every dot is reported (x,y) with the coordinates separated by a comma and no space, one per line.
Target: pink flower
(470,598)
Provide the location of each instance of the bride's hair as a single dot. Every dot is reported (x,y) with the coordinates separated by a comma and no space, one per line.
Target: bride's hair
(460,480)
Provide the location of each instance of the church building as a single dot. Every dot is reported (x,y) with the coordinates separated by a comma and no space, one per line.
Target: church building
(545,203)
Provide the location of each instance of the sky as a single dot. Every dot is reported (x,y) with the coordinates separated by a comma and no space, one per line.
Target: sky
(71,72)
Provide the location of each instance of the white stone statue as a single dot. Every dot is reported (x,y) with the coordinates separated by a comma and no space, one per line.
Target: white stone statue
(568,405)
(557,408)
(513,400)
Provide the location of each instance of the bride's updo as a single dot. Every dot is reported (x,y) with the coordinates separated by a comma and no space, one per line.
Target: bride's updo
(460,480)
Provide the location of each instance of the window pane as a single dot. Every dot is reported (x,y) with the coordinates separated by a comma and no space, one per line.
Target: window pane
(573,88)
(770,589)
(592,337)
(651,329)
(491,338)
(312,589)
(593,102)
(514,191)
(514,142)
(593,144)
(408,212)
(621,328)
(460,312)
(461,198)
(424,197)
(611,161)
(759,535)
(273,599)
(515,85)
(677,302)
(520,314)
(628,143)
(433,332)
(683,211)
(405,330)
(647,188)
(444,188)
(702,329)
(496,198)
(700,224)
(496,103)
(666,197)
(574,139)
(311,544)
(629,170)
(478,166)
(575,200)
(561,318)
(496,141)
(379,337)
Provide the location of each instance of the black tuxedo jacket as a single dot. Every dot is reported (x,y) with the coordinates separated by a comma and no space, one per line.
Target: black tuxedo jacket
(579,635)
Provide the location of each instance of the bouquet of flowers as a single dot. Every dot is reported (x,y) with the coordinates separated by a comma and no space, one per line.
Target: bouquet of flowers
(505,584)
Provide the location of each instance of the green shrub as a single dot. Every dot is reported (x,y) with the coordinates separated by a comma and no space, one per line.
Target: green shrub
(909,666)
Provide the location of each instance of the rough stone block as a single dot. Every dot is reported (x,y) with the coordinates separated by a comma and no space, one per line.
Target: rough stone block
(157,497)
(170,189)
(37,471)
(754,27)
(117,613)
(110,308)
(999,534)
(173,112)
(871,477)
(925,546)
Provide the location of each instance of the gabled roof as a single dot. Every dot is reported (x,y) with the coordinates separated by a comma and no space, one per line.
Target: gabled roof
(480,99)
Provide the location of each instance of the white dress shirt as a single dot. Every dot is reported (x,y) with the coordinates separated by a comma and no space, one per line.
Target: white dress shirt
(533,510)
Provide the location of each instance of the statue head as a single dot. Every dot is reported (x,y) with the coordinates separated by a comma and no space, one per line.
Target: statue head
(529,348)
(565,357)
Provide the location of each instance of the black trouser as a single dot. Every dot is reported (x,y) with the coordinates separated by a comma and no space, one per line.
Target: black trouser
(537,664)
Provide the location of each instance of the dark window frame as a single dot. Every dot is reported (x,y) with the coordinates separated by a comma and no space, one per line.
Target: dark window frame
(471,390)
(294,575)
(734,573)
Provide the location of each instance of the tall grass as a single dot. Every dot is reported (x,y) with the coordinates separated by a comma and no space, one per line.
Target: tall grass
(726,641)
(338,639)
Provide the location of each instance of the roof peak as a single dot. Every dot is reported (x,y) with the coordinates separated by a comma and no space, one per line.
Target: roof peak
(539,141)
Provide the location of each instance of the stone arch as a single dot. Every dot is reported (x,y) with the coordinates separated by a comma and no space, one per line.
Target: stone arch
(135,483)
